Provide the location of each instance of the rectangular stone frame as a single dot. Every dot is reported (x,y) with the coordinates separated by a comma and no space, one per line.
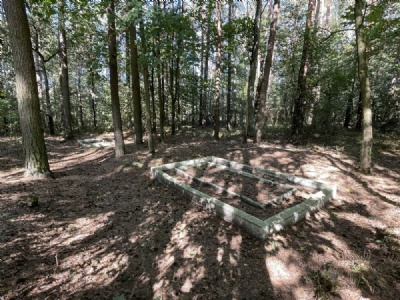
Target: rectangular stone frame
(257,227)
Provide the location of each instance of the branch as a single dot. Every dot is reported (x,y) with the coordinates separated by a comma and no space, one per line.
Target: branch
(41,55)
(332,33)
(51,56)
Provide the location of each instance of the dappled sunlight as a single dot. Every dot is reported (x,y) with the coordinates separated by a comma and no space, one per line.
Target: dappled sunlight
(88,271)
(191,270)
(80,229)
(103,228)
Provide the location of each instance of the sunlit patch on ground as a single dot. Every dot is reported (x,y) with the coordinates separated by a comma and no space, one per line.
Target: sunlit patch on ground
(104,228)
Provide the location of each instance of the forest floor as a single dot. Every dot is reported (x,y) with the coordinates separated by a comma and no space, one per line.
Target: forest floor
(104,229)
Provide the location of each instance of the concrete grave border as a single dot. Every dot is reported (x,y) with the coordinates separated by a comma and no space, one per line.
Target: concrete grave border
(95,143)
(256,226)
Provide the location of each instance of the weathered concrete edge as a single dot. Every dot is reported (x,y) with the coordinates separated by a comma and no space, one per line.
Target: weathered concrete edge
(248,222)
(226,211)
(297,180)
(198,180)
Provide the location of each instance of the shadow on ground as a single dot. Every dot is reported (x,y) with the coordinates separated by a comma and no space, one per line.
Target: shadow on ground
(104,228)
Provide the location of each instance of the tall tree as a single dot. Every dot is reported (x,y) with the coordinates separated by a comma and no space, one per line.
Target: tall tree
(113,65)
(229,87)
(252,73)
(137,105)
(262,89)
(305,65)
(146,91)
(64,76)
(218,72)
(365,91)
(36,162)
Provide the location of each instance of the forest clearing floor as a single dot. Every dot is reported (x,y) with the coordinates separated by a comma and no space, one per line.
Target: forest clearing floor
(104,229)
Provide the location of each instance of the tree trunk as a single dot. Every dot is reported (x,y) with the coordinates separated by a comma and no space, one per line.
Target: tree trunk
(137,105)
(64,77)
(206,58)
(264,78)
(366,143)
(171,92)
(201,99)
(218,72)
(113,64)
(177,91)
(153,103)
(248,128)
(129,105)
(162,104)
(93,97)
(36,162)
(146,92)
(49,110)
(80,104)
(305,65)
(229,92)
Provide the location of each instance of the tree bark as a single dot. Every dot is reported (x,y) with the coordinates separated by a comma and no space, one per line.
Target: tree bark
(80,103)
(229,87)
(137,105)
(248,128)
(113,65)
(218,72)
(171,92)
(206,59)
(162,104)
(264,78)
(93,96)
(305,65)
(366,143)
(146,92)
(201,99)
(36,162)
(153,103)
(64,77)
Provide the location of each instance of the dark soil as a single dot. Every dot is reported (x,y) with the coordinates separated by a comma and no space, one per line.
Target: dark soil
(104,229)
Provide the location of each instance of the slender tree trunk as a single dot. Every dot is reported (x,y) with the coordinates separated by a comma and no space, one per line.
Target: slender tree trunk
(195,92)
(80,104)
(264,78)
(64,77)
(36,162)
(146,91)
(153,103)
(137,105)
(129,104)
(171,93)
(113,65)
(201,99)
(177,95)
(248,128)
(162,104)
(229,92)
(39,78)
(49,110)
(366,144)
(206,59)
(218,72)
(93,97)
(305,65)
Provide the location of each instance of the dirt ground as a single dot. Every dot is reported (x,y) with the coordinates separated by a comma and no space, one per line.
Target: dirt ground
(104,229)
